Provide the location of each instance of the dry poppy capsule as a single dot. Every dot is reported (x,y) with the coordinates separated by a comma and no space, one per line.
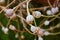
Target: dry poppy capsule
(16,35)
(24,5)
(12,27)
(41,32)
(55,10)
(46,33)
(22,36)
(5,30)
(49,12)
(34,29)
(46,22)
(37,14)
(9,12)
(29,18)
(40,38)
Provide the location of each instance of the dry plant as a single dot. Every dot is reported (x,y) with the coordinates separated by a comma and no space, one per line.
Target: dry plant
(34,18)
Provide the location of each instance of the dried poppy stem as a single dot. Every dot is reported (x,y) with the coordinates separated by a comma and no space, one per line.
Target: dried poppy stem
(55,3)
(8,5)
(49,3)
(55,17)
(25,25)
(8,22)
(22,20)
(57,26)
(19,5)
(1,24)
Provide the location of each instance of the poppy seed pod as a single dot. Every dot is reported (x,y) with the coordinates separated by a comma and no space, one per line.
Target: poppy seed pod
(46,33)
(29,18)
(55,10)
(41,32)
(40,38)
(37,29)
(33,28)
(16,35)
(46,22)
(9,12)
(22,37)
(37,14)
(49,12)
(12,27)
(24,5)
(5,30)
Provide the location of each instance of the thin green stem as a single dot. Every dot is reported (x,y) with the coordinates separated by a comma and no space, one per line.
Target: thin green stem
(35,22)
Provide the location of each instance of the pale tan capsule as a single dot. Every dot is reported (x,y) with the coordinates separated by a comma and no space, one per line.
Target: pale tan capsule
(9,12)
(49,12)
(55,10)
(46,33)
(12,27)
(16,35)
(22,37)
(36,14)
(5,30)
(33,28)
(29,18)
(46,22)
(40,38)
